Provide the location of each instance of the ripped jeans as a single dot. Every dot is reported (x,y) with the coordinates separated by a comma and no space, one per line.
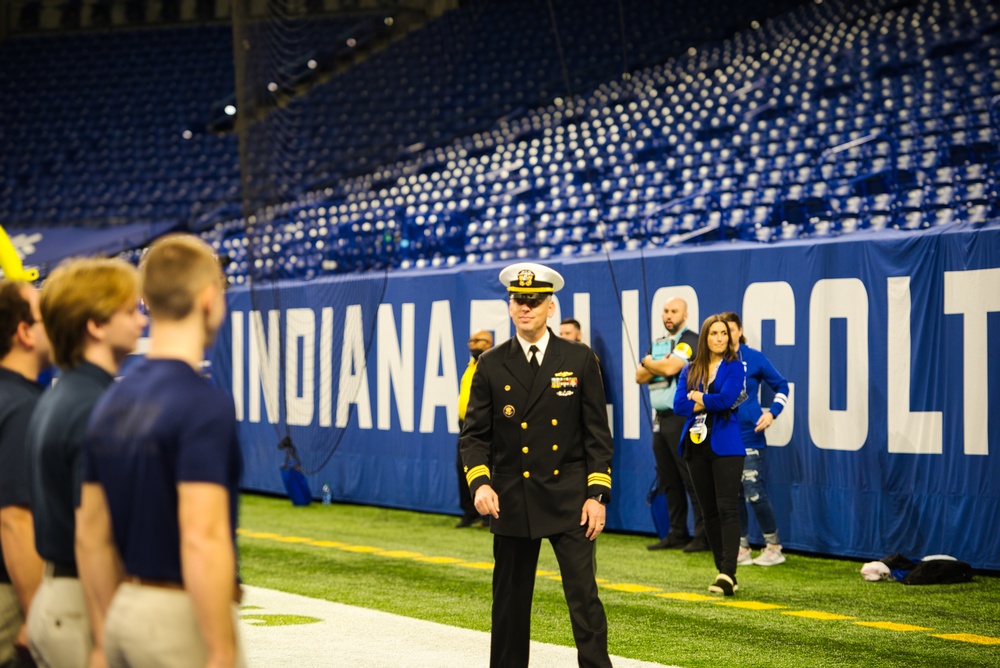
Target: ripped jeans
(754,491)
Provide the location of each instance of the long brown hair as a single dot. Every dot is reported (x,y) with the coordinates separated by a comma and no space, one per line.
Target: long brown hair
(698,372)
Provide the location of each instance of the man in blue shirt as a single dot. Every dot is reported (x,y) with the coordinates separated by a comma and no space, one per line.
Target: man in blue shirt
(156,532)
(24,354)
(91,312)
(660,369)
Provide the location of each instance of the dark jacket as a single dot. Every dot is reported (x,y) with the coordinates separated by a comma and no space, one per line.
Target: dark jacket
(542,442)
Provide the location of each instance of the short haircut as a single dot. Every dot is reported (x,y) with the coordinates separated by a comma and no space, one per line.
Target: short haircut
(14,309)
(81,290)
(572,321)
(174,270)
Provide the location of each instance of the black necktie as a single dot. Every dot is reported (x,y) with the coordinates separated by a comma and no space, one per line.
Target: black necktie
(534,358)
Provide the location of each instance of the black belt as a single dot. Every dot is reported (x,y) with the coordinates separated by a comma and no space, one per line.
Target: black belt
(57,570)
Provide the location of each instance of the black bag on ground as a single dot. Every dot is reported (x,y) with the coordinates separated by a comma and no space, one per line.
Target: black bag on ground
(939,571)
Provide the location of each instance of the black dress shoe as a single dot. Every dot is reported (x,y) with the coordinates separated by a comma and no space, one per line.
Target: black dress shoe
(697,545)
(668,542)
(466,522)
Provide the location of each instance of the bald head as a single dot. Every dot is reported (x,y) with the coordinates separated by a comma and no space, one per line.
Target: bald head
(480,341)
(675,311)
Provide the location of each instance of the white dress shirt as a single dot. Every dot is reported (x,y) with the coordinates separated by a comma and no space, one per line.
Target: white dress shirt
(541,344)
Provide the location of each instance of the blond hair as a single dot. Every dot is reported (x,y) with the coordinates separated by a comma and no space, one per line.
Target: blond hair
(174,270)
(81,290)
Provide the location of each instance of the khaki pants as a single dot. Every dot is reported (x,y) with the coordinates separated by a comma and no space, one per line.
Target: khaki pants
(150,627)
(58,627)
(11,620)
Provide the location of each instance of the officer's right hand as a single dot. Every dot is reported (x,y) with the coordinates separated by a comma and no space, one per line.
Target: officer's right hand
(487,502)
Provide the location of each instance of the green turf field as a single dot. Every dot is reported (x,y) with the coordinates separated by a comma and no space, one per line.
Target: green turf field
(805,612)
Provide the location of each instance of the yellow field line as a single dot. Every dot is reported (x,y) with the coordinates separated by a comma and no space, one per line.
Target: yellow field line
(893,626)
(627,587)
(968,637)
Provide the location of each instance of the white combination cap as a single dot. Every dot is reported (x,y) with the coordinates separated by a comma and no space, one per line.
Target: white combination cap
(529,280)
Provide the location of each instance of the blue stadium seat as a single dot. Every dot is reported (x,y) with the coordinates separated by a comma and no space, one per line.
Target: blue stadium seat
(627,163)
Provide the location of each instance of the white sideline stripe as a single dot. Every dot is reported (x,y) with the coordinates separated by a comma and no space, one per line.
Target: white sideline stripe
(351,636)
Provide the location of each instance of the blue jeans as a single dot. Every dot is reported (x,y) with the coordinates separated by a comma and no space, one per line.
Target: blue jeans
(754,491)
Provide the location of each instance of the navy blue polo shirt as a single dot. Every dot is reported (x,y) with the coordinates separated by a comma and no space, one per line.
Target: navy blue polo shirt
(18,397)
(55,447)
(161,425)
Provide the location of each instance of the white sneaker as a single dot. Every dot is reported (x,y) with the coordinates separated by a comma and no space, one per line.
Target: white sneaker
(770,556)
(744,557)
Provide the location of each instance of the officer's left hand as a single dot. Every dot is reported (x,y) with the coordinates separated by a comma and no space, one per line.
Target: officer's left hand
(593,516)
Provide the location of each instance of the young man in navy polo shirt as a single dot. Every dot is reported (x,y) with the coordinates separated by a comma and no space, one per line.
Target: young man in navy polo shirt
(157,522)
(91,312)
(24,354)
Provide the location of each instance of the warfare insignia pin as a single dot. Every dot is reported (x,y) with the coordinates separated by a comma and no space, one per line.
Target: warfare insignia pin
(508,411)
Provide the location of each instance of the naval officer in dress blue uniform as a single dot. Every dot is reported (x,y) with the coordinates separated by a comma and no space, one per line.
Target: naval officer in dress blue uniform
(537,453)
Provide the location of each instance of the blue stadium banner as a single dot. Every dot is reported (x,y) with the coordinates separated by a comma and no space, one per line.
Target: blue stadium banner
(44,247)
(891,343)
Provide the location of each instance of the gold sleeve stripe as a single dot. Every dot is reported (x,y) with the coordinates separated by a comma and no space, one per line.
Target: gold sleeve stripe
(477,471)
(601,479)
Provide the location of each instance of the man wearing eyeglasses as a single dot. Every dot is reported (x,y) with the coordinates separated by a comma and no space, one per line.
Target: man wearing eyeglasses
(537,451)
(479,342)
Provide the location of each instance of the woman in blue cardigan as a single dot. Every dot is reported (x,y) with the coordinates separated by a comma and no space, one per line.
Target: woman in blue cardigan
(753,422)
(708,392)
